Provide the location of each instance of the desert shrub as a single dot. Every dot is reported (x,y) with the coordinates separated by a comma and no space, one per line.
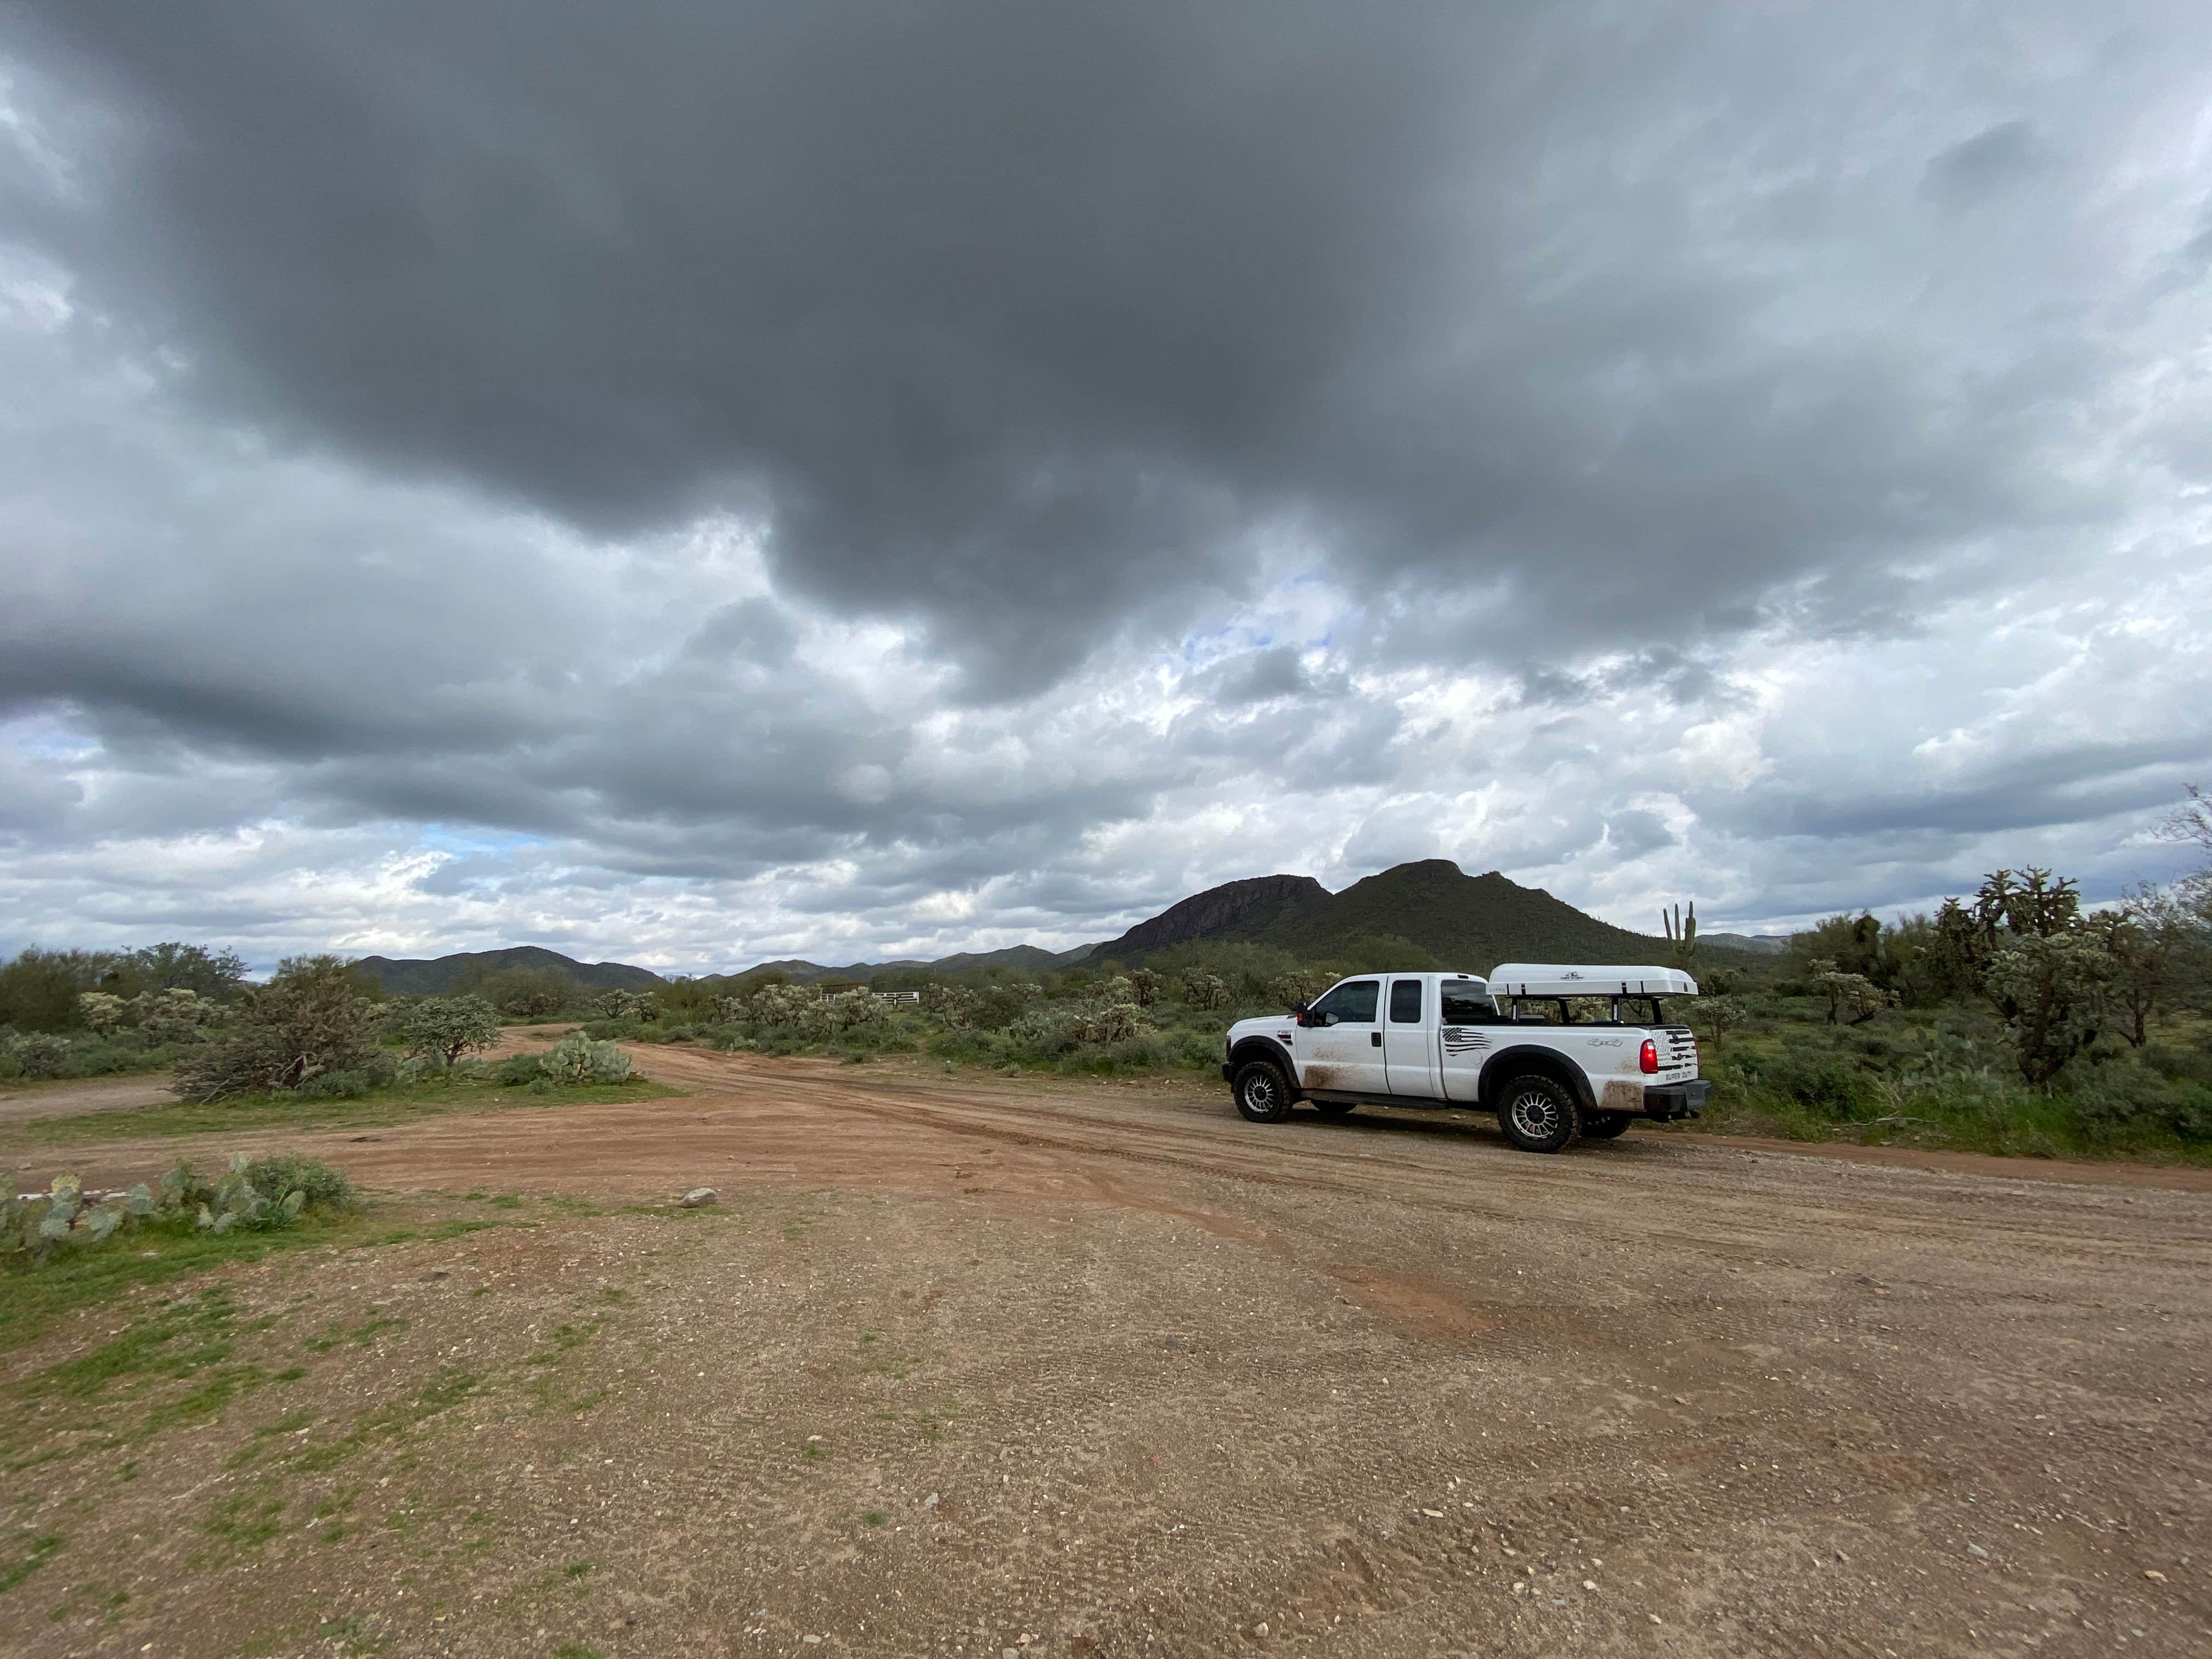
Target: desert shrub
(2122,1098)
(38,988)
(37,1053)
(627,1005)
(1827,1084)
(444,1028)
(577,1059)
(517,1070)
(289,1172)
(525,993)
(352,1084)
(310,1018)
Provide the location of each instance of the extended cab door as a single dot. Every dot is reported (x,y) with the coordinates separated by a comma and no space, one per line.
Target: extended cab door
(1409,1043)
(1343,1047)
(1466,1035)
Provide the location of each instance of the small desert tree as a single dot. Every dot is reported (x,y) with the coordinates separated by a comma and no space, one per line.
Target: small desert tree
(444,1028)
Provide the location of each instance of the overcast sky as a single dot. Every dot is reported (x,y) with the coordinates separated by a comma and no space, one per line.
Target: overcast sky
(696,484)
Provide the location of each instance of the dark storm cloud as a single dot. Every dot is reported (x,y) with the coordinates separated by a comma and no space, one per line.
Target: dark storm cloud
(1014,318)
(1976,168)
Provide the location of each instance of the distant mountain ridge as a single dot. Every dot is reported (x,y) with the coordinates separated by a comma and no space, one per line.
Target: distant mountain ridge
(1034,958)
(1470,922)
(436,976)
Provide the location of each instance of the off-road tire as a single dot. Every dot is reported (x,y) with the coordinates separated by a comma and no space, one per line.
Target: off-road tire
(1537,1114)
(1606,1125)
(1335,1108)
(1263,1093)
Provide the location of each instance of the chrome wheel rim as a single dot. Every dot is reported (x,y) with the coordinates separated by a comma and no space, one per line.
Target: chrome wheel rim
(1535,1114)
(1260,1092)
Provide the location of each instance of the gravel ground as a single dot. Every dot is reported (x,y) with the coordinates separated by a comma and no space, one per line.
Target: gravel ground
(961,1365)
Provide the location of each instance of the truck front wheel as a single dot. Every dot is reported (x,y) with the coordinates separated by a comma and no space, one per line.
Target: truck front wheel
(1263,1093)
(1537,1114)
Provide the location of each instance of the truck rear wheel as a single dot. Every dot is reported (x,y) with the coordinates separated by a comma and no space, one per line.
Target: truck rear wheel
(1537,1114)
(1263,1093)
(1606,1125)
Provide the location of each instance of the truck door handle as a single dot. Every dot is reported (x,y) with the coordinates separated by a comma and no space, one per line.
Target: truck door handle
(1375,1039)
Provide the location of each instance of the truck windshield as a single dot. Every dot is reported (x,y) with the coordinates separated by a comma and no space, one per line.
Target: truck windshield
(1467,1003)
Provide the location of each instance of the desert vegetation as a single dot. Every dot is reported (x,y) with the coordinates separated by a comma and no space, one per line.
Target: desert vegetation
(2010,1020)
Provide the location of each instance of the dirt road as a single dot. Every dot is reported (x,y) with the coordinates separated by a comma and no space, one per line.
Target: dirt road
(967,1365)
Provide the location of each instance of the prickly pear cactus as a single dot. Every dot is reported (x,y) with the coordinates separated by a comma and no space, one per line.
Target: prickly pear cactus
(577,1059)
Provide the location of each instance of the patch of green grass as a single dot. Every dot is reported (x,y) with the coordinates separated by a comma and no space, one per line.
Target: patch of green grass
(876,1518)
(389,1424)
(42,1550)
(246,1520)
(507,1201)
(360,1336)
(285,1111)
(577,1650)
(33,1296)
(177,1338)
(353,1634)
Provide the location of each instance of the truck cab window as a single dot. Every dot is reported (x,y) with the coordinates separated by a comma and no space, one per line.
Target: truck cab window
(1465,1003)
(1405,1002)
(1351,1003)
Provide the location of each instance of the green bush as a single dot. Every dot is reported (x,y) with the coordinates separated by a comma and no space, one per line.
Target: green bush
(1828,1084)
(577,1059)
(350,1084)
(37,1053)
(517,1070)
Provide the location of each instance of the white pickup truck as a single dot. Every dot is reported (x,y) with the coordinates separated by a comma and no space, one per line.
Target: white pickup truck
(1510,1044)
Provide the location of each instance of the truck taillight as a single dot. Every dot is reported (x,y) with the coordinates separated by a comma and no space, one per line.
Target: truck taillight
(1649,1060)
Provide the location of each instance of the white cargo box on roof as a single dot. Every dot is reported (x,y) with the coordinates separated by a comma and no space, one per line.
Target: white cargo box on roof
(1545,979)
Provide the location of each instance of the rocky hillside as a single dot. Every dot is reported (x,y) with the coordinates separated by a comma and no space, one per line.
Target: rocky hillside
(1470,922)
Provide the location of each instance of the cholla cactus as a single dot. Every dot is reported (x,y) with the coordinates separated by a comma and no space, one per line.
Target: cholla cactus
(828,1015)
(1293,990)
(1144,986)
(953,1003)
(1110,1022)
(577,1059)
(1203,990)
(627,1005)
(101,1011)
(784,1004)
(37,1053)
(175,1016)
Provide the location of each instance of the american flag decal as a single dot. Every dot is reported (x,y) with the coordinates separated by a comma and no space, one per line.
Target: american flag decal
(1464,1040)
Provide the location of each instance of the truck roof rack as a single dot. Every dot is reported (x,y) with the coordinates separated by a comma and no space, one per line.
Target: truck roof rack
(1547,979)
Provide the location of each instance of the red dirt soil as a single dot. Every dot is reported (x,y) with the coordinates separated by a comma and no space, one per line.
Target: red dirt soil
(1101,1369)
